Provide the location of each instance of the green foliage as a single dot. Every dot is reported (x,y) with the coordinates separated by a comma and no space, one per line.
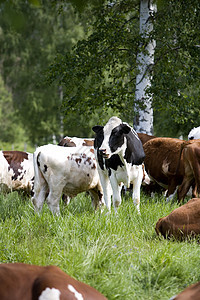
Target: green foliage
(177,56)
(100,71)
(26,52)
(8,116)
(120,255)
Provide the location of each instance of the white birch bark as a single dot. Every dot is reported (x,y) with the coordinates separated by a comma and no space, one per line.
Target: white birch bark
(144,121)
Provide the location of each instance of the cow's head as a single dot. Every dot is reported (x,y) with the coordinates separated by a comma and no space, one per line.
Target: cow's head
(110,138)
(117,137)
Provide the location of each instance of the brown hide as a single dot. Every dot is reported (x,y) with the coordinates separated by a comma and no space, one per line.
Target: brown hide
(145,137)
(192,292)
(66,142)
(14,159)
(191,160)
(20,281)
(182,222)
(161,161)
(69,142)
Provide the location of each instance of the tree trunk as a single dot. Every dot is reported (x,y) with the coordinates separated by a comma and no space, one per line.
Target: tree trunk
(144,120)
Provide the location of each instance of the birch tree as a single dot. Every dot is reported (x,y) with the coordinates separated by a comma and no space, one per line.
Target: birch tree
(143,122)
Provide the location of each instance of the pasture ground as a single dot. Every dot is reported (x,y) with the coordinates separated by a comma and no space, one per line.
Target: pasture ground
(120,255)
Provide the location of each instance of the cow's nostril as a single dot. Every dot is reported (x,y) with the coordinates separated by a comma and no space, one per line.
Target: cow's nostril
(103,151)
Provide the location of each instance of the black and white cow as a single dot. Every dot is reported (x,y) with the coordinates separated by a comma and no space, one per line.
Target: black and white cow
(119,153)
(194,133)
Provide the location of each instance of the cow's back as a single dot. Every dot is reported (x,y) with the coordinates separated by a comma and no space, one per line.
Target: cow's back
(145,137)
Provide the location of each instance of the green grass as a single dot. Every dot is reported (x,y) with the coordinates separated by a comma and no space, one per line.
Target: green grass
(120,255)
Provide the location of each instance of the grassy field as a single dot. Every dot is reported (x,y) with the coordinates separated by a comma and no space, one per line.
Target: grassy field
(120,255)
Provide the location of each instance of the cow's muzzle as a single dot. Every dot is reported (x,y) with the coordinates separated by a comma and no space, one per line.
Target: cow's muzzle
(103,153)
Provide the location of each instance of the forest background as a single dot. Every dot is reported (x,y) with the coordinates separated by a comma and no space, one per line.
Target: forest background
(66,66)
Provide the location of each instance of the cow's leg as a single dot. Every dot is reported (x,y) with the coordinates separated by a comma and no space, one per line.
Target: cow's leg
(136,192)
(107,191)
(97,197)
(184,188)
(53,200)
(172,188)
(40,192)
(116,191)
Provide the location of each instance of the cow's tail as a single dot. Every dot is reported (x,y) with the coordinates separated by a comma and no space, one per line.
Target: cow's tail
(183,145)
(39,179)
(165,166)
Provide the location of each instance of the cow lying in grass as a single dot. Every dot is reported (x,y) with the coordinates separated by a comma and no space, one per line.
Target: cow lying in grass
(64,170)
(20,281)
(182,222)
(192,292)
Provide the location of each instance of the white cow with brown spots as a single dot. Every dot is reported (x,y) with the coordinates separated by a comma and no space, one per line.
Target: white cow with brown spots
(69,171)
(16,171)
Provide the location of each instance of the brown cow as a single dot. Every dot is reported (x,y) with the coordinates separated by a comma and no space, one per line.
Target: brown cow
(20,281)
(192,292)
(182,222)
(145,137)
(191,159)
(161,160)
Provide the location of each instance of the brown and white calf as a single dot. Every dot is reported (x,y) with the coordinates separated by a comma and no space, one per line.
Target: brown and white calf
(16,171)
(19,281)
(182,222)
(64,170)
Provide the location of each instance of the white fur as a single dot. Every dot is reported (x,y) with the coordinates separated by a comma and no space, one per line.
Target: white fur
(194,133)
(23,182)
(50,294)
(77,295)
(70,170)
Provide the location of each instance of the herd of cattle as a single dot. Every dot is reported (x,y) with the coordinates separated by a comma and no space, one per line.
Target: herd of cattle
(117,157)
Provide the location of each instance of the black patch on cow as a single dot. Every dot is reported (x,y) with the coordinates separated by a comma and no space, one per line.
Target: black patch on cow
(116,139)
(99,136)
(100,159)
(134,153)
(38,156)
(113,163)
(45,168)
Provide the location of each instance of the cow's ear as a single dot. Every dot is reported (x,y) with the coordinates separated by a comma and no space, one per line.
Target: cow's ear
(97,128)
(125,128)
